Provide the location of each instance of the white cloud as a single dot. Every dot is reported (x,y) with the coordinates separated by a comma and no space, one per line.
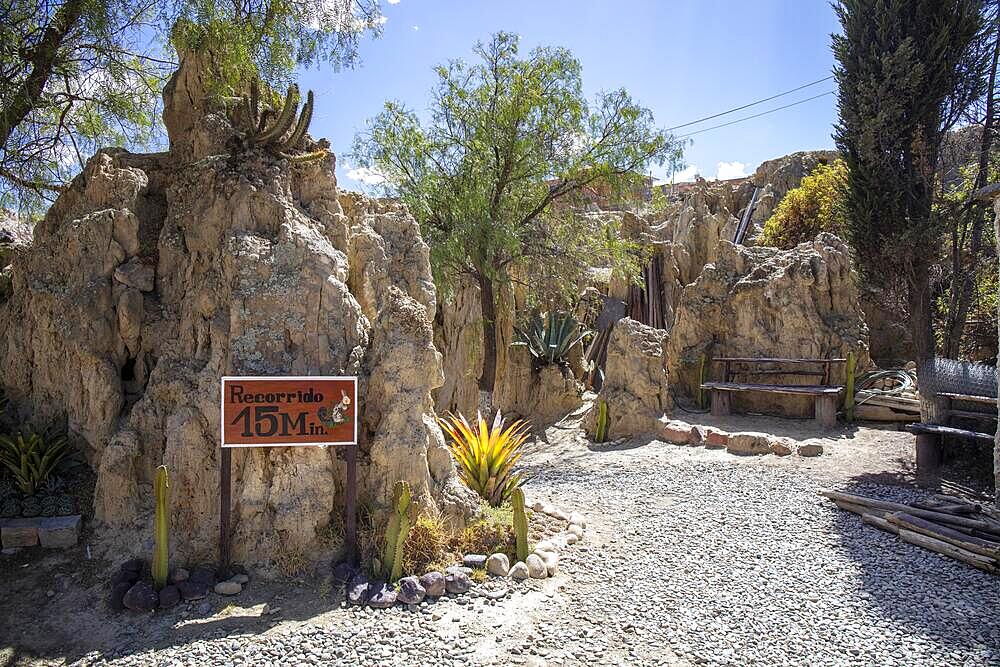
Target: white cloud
(393,2)
(366,176)
(416,28)
(687,174)
(728,170)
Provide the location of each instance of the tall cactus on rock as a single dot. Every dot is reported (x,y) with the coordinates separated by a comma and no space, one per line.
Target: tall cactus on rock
(396,531)
(161,527)
(520,524)
(276,136)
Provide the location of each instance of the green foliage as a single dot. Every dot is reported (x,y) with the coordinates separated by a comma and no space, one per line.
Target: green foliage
(31,458)
(486,455)
(520,523)
(549,340)
(817,205)
(161,528)
(391,564)
(906,72)
(507,137)
(78,75)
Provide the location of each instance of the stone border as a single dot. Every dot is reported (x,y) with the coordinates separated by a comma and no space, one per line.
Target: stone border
(741,443)
(52,532)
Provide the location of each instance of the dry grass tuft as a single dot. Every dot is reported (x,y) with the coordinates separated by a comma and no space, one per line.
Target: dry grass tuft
(426,546)
(491,533)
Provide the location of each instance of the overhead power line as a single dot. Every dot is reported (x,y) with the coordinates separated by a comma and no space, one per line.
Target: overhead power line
(756,115)
(750,104)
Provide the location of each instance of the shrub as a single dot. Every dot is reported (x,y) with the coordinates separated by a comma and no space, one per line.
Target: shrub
(813,207)
(549,340)
(486,455)
(32,458)
(426,546)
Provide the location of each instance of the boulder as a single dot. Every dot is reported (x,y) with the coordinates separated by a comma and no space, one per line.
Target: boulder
(151,276)
(433,583)
(781,447)
(141,597)
(117,595)
(383,597)
(764,302)
(169,596)
(748,443)
(474,561)
(229,587)
(360,589)
(410,591)
(635,382)
(498,565)
(536,566)
(809,449)
(192,590)
(457,583)
(519,571)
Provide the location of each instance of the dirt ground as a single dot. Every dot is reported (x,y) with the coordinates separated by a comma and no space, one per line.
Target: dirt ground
(53,604)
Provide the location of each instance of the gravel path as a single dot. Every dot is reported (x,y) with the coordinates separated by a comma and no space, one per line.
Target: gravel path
(691,557)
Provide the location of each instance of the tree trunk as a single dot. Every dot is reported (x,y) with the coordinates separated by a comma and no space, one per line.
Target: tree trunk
(42,59)
(487,378)
(921,314)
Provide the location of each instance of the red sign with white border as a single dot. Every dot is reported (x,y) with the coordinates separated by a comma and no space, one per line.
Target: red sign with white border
(289,411)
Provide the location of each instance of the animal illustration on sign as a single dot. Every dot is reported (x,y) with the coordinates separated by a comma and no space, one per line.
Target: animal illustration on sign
(338,413)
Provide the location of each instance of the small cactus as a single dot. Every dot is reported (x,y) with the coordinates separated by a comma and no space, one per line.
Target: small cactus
(395,534)
(601,433)
(161,527)
(520,524)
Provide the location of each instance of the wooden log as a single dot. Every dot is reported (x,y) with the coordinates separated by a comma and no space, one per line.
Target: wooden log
(826,411)
(940,517)
(963,509)
(880,523)
(860,510)
(720,403)
(954,500)
(945,534)
(950,550)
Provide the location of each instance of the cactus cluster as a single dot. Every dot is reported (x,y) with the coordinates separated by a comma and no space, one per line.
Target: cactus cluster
(161,528)
(520,524)
(391,564)
(275,135)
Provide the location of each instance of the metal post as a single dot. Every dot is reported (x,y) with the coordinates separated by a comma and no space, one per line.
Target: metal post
(351,505)
(225,492)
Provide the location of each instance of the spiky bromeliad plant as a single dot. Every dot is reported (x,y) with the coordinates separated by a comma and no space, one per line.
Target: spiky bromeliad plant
(549,339)
(486,455)
(31,458)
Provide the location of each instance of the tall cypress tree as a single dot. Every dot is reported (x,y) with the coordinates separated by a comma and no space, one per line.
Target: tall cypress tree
(906,71)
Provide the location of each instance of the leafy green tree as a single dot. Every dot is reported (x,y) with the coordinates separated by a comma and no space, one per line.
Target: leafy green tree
(507,138)
(817,205)
(906,72)
(79,74)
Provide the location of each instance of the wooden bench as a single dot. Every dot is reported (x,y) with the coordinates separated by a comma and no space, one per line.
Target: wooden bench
(825,396)
(930,436)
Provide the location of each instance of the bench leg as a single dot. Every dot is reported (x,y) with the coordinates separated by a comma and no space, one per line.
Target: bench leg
(720,403)
(826,411)
(928,453)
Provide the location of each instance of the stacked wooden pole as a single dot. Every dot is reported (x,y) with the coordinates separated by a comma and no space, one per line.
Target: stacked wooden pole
(944,524)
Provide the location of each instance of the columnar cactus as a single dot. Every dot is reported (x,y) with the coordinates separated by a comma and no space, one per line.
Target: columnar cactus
(395,534)
(602,421)
(161,527)
(520,524)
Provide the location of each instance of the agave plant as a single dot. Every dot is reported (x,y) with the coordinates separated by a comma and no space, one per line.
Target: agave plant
(486,455)
(31,459)
(550,339)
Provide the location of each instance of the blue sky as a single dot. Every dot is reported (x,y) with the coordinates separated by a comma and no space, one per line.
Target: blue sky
(683,59)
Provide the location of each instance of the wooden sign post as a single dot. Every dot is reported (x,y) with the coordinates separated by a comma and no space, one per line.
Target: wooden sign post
(316,411)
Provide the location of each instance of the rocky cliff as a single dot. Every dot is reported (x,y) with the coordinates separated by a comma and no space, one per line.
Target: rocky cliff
(154,275)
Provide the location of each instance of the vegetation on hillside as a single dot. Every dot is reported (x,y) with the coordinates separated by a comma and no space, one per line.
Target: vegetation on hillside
(507,136)
(816,205)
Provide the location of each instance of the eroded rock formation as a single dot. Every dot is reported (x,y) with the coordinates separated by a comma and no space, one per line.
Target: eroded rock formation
(764,302)
(154,275)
